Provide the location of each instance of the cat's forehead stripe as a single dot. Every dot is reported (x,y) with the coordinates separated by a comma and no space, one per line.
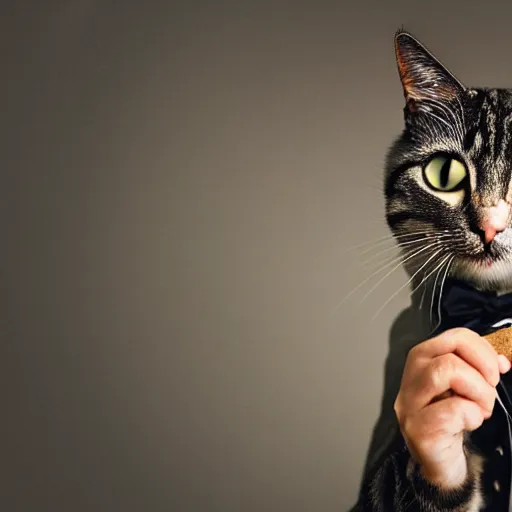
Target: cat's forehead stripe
(491,148)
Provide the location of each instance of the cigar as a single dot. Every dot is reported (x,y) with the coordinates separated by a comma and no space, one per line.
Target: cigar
(501,340)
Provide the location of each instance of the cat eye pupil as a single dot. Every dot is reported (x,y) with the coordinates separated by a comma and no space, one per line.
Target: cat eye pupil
(444,173)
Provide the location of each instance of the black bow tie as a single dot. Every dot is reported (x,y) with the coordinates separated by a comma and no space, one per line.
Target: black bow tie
(464,306)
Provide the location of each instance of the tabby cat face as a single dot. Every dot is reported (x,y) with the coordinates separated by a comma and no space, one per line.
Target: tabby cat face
(448,177)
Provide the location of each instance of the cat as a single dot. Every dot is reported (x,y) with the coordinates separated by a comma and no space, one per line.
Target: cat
(448,176)
(448,197)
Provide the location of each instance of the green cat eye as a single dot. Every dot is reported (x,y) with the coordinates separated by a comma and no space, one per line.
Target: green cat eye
(444,173)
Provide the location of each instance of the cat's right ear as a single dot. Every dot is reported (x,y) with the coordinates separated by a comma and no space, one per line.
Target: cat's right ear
(423,76)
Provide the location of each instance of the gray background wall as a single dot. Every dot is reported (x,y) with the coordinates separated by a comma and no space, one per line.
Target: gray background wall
(180,184)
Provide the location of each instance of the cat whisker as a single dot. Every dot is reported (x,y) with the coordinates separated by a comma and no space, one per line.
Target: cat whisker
(391,237)
(369,266)
(425,279)
(406,284)
(364,244)
(441,294)
(410,233)
(382,252)
(396,247)
(426,238)
(424,292)
(400,246)
(434,294)
(408,242)
(364,281)
(399,259)
(415,254)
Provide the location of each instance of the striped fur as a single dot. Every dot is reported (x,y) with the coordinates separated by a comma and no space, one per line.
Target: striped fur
(474,125)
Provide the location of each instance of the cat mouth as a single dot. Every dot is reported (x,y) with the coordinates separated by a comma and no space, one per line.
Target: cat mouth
(489,256)
(487,260)
(489,269)
(499,250)
(484,259)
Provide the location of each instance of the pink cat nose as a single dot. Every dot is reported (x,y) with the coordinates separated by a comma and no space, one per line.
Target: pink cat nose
(495,220)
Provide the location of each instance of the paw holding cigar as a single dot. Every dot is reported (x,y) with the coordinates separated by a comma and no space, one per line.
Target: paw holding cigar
(448,389)
(501,341)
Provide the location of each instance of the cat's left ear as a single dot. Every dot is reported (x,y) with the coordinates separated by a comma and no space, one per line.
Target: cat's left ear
(423,76)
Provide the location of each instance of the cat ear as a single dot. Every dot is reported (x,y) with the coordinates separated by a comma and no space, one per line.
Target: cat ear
(423,76)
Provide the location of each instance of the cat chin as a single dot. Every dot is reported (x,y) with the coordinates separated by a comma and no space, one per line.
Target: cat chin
(495,277)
